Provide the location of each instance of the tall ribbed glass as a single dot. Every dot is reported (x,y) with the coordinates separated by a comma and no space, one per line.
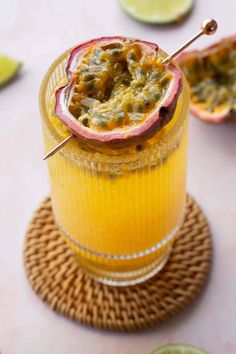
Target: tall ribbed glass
(118,212)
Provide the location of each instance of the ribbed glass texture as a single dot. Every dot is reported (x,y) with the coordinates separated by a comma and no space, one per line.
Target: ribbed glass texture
(119,213)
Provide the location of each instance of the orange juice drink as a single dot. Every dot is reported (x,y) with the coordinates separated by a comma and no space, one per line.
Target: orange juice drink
(118,188)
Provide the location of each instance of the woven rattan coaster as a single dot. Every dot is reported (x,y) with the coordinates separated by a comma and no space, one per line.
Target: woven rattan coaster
(57,278)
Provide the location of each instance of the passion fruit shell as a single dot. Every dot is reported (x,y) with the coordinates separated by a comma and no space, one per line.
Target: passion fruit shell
(211,74)
(160,116)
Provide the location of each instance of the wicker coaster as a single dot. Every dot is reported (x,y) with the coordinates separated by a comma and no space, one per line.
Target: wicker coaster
(59,281)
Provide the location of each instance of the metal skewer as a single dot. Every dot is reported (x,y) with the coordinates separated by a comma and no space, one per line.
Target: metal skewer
(59,146)
(208,27)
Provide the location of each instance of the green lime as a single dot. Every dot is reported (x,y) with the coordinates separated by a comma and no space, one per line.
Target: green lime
(178,349)
(8,69)
(157,11)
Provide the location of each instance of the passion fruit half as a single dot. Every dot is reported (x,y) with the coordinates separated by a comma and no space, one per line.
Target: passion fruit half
(118,92)
(211,74)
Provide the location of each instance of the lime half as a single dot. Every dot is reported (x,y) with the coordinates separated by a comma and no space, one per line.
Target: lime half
(178,349)
(8,69)
(157,11)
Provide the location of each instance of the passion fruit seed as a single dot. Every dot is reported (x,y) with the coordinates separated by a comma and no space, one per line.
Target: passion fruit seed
(155,95)
(139,147)
(131,56)
(88,77)
(85,122)
(154,75)
(120,118)
(116,52)
(165,79)
(139,107)
(127,107)
(88,103)
(91,84)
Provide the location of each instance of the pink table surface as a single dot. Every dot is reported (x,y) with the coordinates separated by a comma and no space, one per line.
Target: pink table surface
(36,32)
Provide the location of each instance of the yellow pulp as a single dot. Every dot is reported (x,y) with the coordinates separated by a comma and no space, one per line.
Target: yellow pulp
(211,76)
(118,205)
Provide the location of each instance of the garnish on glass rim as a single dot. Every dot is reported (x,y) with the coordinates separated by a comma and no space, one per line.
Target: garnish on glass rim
(208,27)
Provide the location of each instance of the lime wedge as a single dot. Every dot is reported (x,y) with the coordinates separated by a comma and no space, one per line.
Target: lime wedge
(8,69)
(157,11)
(178,349)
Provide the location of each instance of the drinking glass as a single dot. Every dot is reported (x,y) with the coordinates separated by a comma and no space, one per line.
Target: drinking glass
(118,209)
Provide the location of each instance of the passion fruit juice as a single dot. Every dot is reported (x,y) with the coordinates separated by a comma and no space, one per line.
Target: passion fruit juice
(118,209)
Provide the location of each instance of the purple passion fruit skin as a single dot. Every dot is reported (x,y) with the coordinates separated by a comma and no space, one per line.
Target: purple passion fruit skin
(118,92)
(211,74)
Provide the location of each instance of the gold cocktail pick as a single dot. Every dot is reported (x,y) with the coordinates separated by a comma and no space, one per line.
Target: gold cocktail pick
(59,146)
(208,27)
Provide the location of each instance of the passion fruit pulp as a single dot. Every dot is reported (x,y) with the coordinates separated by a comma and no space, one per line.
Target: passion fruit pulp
(211,74)
(118,92)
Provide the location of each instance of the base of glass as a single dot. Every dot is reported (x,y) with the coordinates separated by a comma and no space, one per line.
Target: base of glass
(124,278)
(126,269)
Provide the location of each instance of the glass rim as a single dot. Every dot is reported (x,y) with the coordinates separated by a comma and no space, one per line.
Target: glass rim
(74,153)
